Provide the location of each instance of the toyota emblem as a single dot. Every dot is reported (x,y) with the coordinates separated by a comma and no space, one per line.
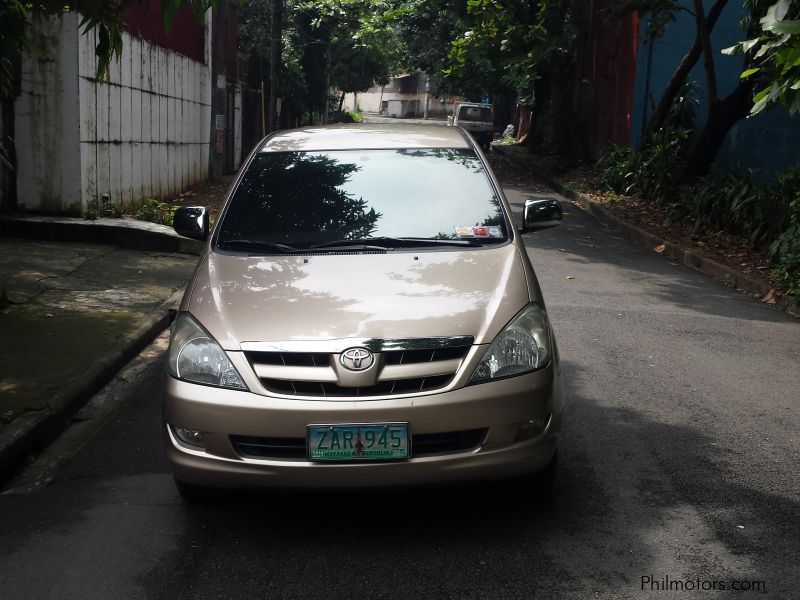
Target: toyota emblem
(357,359)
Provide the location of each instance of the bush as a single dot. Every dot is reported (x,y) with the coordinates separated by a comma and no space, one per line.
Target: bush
(785,251)
(156,212)
(103,208)
(651,173)
(618,168)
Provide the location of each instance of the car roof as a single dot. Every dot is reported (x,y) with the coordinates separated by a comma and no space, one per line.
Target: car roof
(357,136)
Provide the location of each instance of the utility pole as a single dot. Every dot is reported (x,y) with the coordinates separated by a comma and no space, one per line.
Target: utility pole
(275,62)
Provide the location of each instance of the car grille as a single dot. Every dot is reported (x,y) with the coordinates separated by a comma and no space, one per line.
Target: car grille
(425,444)
(401,372)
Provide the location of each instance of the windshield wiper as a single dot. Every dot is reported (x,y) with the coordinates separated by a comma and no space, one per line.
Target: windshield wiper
(254,245)
(383,243)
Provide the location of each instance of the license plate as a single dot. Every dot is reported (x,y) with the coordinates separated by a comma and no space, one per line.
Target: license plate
(373,441)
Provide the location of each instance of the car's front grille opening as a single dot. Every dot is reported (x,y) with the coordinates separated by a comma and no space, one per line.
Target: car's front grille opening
(382,388)
(290,359)
(404,357)
(451,441)
(269,447)
(425,444)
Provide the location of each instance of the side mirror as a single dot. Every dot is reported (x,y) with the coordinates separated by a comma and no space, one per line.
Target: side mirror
(191,222)
(541,213)
(450,119)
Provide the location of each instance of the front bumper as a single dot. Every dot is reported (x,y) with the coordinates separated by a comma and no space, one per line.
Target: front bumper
(504,408)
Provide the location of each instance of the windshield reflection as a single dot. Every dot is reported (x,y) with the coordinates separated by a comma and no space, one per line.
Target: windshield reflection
(309,198)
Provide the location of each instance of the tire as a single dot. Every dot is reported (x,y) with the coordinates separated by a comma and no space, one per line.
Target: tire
(198,494)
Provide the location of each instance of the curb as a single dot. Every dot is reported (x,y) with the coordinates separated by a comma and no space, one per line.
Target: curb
(31,432)
(726,275)
(123,232)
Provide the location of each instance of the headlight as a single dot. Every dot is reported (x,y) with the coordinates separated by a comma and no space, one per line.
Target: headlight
(523,346)
(197,357)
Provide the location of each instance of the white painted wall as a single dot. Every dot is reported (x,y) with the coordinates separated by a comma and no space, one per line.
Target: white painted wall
(142,132)
(47,138)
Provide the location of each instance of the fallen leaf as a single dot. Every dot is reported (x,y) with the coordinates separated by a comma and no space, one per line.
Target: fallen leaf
(561,250)
(674,264)
(570,277)
(660,249)
(769,298)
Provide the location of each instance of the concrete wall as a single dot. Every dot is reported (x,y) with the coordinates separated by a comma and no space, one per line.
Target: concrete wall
(47,114)
(142,132)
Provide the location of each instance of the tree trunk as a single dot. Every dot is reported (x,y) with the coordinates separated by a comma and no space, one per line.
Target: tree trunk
(341,103)
(681,73)
(275,62)
(722,115)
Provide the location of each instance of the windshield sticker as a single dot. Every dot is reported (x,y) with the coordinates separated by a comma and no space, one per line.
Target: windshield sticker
(479,232)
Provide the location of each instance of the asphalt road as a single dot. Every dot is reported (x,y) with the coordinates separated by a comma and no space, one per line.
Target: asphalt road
(679,461)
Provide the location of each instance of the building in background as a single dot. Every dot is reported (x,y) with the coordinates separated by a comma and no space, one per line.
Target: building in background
(165,118)
(405,96)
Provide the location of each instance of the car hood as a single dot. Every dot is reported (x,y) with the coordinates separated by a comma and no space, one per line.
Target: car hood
(333,296)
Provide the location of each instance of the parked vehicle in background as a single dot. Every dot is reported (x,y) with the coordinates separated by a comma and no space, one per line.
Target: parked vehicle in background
(363,314)
(477,119)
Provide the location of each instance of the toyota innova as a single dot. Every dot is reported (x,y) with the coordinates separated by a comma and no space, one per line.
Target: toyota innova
(363,314)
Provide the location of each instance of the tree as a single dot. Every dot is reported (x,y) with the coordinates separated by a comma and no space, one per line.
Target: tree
(520,50)
(661,12)
(723,112)
(776,54)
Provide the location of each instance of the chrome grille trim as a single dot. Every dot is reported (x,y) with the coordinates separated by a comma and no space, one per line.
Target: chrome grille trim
(313,373)
(373,344)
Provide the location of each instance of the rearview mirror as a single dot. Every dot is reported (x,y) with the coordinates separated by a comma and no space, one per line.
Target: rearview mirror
(540,213)
(191,222)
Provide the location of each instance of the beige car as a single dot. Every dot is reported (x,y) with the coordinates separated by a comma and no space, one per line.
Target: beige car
(363,314)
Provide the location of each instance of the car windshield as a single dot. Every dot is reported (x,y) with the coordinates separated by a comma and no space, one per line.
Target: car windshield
(475,113)
(394,198)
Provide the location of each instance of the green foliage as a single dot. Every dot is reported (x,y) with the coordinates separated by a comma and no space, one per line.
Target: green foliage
(103,208)
(344,44)
(786,249)
(505,45)
(156,212)
(776,58)
(618,168)
(733,203)
(651,173)
(786,272)
(354,117)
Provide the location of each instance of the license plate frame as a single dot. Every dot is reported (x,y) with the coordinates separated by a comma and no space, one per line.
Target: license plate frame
(385,453)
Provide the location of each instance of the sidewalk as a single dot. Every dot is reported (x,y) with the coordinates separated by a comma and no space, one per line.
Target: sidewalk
(72,313)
